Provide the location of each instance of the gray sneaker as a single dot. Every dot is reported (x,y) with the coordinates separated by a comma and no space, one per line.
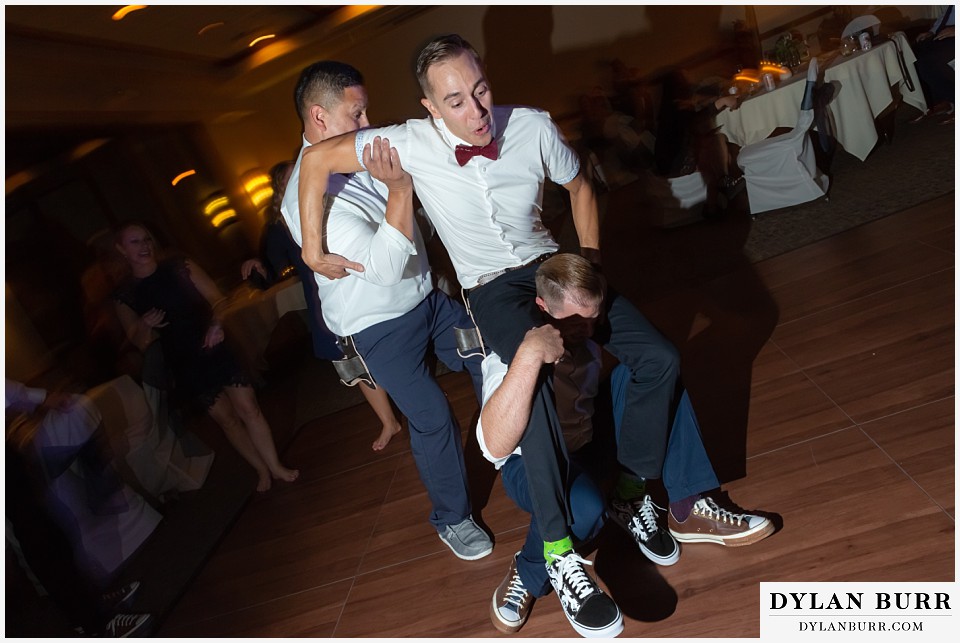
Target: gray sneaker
(466,540)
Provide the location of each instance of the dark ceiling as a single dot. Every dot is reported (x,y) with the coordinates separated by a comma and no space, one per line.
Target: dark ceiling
(72,73)
(207,33)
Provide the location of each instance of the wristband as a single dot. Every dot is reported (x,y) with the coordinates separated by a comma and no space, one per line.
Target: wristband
(592,255)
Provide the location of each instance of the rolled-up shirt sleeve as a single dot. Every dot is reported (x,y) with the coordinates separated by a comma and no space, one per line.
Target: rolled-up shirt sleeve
(493,370)
(382,249)
(561,161)
(396,133)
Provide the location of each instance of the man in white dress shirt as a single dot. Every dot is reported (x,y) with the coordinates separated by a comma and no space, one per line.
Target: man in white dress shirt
(391,312)
(479,172)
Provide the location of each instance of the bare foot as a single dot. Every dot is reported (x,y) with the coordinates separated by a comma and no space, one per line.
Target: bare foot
(385,435)
(287,475)
(263,481)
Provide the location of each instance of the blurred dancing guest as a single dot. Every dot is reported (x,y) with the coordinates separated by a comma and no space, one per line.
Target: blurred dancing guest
(174,301)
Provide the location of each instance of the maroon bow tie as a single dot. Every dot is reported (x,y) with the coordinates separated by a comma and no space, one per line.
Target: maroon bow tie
(466,152)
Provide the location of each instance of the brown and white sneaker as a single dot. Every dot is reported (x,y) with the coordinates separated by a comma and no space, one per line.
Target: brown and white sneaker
(708,523)
(511,602)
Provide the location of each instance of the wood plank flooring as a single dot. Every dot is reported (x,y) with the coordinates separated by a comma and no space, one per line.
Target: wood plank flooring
(824,381)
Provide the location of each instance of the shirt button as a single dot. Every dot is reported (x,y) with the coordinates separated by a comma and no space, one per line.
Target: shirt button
(484,170)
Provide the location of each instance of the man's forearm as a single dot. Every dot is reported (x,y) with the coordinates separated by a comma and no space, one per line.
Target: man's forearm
(505,415)
(335,155)
(586,215)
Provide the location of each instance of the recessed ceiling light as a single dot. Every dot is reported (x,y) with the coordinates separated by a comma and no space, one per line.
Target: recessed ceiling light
(261,38)
(130,8)
(182,176)
(212,25)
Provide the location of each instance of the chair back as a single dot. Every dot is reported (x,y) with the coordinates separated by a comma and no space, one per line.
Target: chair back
(813,71)
(825,130)
(862,23)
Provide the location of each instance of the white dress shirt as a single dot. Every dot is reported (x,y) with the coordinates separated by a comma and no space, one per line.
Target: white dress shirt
(397,272)
(290,206)
(493,370)
(487,212)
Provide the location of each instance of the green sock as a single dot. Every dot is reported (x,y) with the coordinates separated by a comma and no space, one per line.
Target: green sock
(630,486)
(556,548)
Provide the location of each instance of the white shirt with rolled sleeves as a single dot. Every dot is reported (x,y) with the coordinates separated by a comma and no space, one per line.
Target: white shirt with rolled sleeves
(487,212)
(396,276)
(494,370)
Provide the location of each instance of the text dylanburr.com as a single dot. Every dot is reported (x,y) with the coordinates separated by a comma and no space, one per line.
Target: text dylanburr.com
(866,611)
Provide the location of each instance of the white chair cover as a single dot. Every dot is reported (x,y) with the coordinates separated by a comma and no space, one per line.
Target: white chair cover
(782,171)
(689,189)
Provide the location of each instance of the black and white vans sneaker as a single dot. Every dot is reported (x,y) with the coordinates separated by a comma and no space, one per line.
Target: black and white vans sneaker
(590,611)
(639,518)
(121,597)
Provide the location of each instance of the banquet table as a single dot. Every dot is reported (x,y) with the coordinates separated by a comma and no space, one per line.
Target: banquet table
(863,83)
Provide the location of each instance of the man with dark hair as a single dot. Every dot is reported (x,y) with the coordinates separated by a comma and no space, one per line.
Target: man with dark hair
(389,314)
(479,172)
(570,295)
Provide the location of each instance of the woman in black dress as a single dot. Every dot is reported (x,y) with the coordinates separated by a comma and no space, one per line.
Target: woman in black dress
(174,301)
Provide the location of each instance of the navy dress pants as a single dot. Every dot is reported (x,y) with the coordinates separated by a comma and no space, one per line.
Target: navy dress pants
(686,471)
(396,354)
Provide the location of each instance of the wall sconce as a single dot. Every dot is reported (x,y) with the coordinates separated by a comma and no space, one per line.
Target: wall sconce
(217,208)
(259,187)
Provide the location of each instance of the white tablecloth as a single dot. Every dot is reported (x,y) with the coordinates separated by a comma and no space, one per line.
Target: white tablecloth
(862,81)
(251,315)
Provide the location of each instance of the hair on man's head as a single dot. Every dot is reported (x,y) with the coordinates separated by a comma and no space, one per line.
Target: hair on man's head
(438,50)
(569,276)
(323,83)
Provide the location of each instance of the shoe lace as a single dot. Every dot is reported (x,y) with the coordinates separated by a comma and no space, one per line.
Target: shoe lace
(645,517)
(120,622)
(516,593)
(571,570)
(709,508)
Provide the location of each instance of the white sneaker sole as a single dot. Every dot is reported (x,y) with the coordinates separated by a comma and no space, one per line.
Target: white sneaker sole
(609,631)
(664,561)
(755,535)
(507,627)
